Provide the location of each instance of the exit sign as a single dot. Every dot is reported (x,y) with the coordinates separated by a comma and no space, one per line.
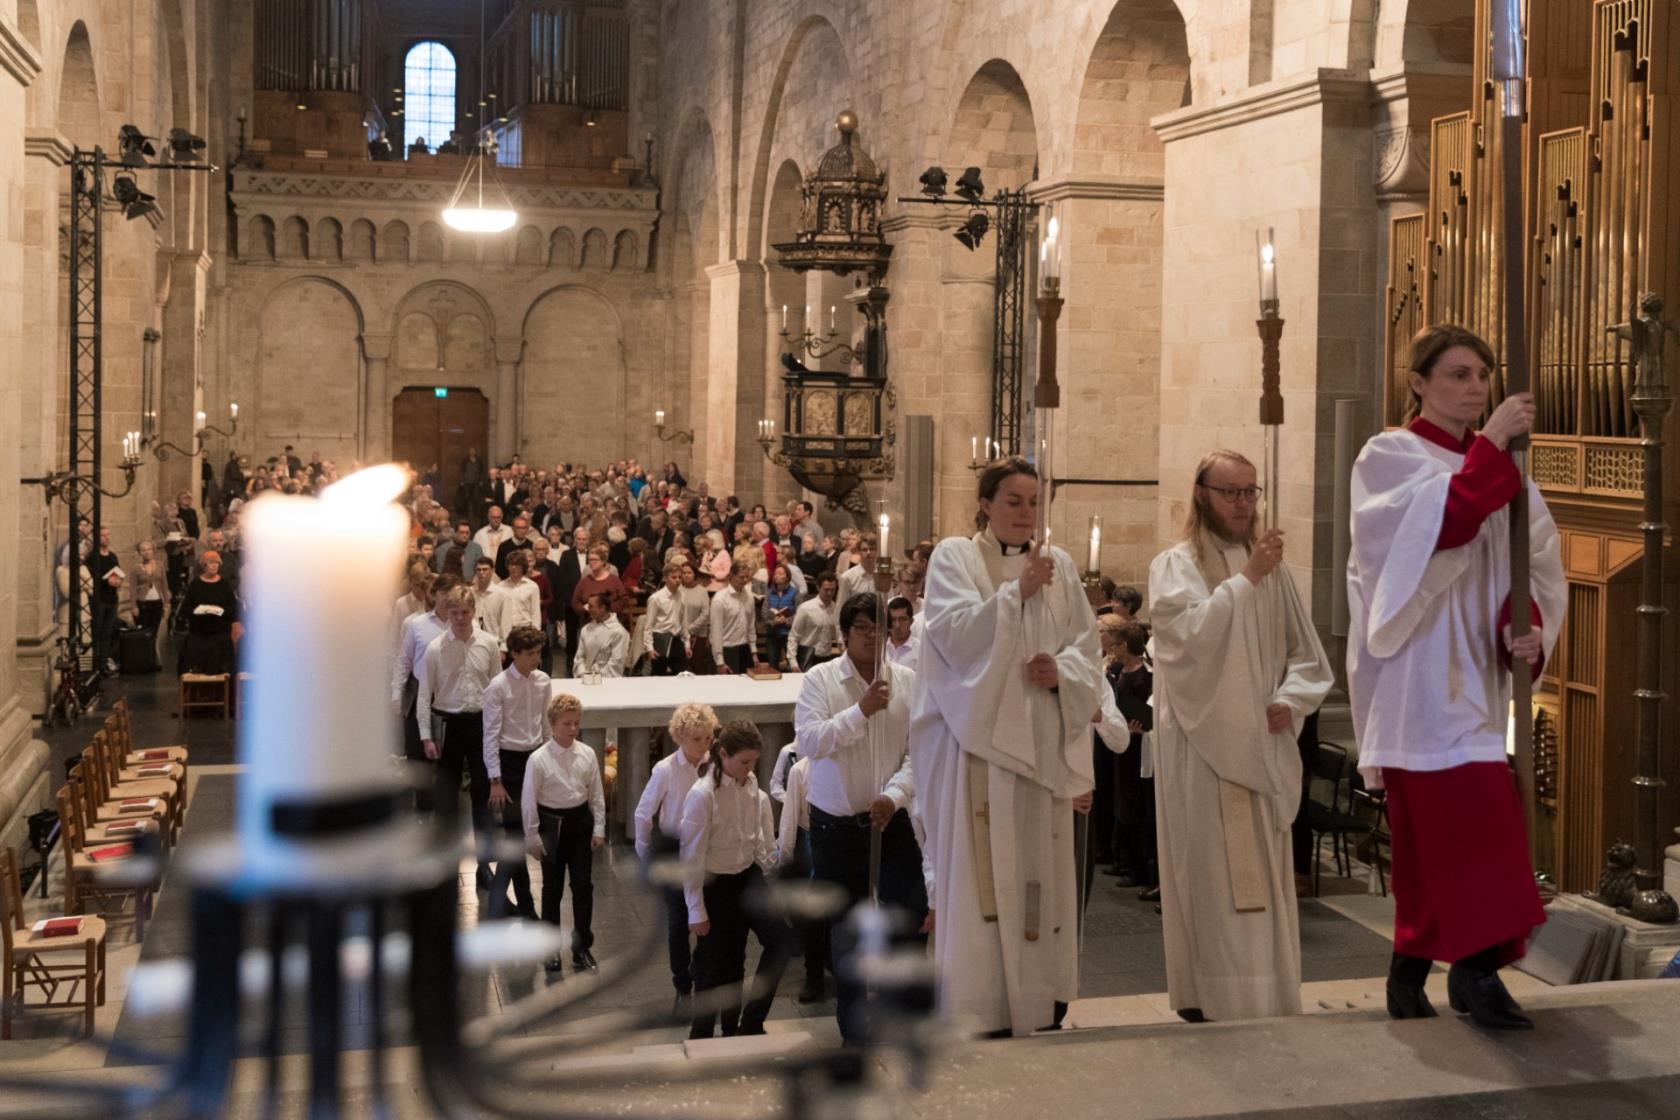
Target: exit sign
(440,391)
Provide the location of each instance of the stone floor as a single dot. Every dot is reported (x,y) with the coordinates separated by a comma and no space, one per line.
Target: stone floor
(1603,1052)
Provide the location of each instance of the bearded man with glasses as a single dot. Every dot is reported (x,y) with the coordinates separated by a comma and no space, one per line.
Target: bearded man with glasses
(1238,666)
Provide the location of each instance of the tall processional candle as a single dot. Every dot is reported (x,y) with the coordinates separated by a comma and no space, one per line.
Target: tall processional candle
(320,576)
(659,417)
(1270,325)
(1093,555)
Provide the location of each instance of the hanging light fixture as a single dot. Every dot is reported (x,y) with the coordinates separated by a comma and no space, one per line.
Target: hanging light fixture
(468,209)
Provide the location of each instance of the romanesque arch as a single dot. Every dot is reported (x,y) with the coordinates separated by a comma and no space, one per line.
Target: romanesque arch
(309,382)
(572,378)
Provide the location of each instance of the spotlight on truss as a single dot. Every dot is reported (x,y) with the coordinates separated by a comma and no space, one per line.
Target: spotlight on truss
(969,187)
(933,182)
(184,146)
(134,146)
(974,230)
(135,202)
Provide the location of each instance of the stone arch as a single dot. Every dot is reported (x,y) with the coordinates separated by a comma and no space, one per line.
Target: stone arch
(573,346)
(327,241)
(595,253)
(528,249)
(417,343)
(562,248)
(294,239)
(78,115)
(309,383)
(695,246)
(1424,31)
(624,251)
(994,129)
(433,335)
(393,242)
(829,61)
(429,245)
(259,240)
(364,241)
(1138,69)
(696,183)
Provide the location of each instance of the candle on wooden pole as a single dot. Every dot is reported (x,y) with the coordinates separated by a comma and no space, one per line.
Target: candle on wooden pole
(320,575)
(1093,555)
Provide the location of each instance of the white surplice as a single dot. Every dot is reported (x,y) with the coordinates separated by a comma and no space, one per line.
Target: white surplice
(1226,789)
(980,729)
(1429,691)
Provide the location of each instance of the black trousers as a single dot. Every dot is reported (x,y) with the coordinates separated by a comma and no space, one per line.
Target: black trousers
(509,870)
(104,633)
(736,906)
(778,642)
(462,751)
(1134,817)
(566,836)
(814,936)
(840,855)
(413,749)
(676,919)
(738,658)
(672,663)
(149,615)
(1102,802)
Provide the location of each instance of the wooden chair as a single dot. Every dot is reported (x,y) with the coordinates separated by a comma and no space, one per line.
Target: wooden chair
(1335,819)
(84,887)
(113,830)
(34,960)
(119,726)
(106,801)
(118,774)
(205,690)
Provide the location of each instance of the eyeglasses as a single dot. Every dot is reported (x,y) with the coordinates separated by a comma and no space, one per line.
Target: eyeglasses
(1237,494)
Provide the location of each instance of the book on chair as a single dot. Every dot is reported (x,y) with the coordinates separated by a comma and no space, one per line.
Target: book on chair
(58,927)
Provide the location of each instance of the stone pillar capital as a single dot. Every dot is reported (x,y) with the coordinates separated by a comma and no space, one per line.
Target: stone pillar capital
(17,57)
(47,144)
(510,347)
(376,347)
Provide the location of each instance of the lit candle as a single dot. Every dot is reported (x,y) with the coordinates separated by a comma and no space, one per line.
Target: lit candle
(974,449)
(784,318)
(320,575)
(1094,555)
(883,552)
(125,447)
(770,428)
(1050,253)
(659,417)
(233,409)
(807,317)
(831,316)
(1268,270)
(200,416)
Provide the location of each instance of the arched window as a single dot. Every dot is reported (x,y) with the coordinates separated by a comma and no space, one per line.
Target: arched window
(428,94)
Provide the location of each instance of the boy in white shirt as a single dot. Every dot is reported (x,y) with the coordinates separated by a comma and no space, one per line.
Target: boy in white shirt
(521,603)
(515,726)
(564,811)
(659,828)
(604,645)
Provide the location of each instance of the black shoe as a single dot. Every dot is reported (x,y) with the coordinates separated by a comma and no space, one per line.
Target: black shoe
(1192,1015)
(812,992)
(1483,996)
(583,960)
(552,966)
(1407,1002)
(1150,894)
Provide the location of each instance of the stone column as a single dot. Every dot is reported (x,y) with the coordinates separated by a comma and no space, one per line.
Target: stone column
(506,436)
(916,363)
(29,177)
(1295,156)
(375,428)
(733,462)
(178,371)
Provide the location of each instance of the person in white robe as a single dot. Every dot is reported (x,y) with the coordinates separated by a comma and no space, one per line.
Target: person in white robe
(1238,668)
(1000,751)
(1429,652)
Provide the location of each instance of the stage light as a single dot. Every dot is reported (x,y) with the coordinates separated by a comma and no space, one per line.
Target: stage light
(969,187)
(134,146)
(974,230)
(933,182)
(184,146)
(135,202)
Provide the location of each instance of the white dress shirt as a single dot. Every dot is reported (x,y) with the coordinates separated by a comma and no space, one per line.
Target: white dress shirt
(417,633)
(816,626)
(490,540)
(734,618)
(855,580)
(454,674)
(662,800)
(561,778)
(697,611)
(515,715)
(785,759)
(401,610)
(908,654)
(603,647)
(854,758)
(665,616)
(726,828)
(796,813)
(487,609)
(521,605)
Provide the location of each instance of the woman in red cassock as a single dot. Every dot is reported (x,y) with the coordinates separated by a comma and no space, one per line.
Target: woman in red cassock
(1429,658)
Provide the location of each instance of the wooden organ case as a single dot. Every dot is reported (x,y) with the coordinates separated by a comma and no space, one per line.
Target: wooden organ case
(1602,210)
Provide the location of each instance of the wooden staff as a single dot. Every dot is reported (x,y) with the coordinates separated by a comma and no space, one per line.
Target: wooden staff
(1508,71)
(1270,325)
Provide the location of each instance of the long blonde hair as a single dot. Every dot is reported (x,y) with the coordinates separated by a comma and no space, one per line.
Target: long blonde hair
(1198,523)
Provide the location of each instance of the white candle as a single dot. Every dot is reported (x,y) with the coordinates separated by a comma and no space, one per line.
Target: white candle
(807,317)
(831,316)
(1093,556)
(974,449)
(200,416)
(886,523)
(1050,253)
(784,317)
(233,409)
(1268,270)
(320,576)
(659,417)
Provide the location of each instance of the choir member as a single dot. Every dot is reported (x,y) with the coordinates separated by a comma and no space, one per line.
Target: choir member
(515,710)
(734,623)
(418,633)
(816,625)
(564,812)
(604,644)
(666,640)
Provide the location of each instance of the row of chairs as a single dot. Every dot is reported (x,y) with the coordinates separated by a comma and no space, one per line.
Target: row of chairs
(117,800)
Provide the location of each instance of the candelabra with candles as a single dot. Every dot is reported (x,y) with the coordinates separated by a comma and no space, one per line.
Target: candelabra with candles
(64,485)
(977,462)
(202,429)
(816,346)
(682,435)
(1092,579)
(1270,325)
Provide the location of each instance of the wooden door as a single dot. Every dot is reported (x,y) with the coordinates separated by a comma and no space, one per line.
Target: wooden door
(427,428)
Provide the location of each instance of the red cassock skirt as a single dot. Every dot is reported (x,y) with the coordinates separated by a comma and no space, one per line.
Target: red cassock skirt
(1462,877)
